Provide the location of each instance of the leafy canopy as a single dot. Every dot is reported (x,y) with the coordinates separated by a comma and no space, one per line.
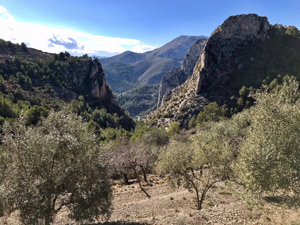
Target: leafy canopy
(54,165)
(270,156)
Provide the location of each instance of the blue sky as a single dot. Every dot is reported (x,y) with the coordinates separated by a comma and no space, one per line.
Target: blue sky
(107,27)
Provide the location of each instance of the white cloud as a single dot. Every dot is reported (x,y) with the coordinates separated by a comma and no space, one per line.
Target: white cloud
(55,40)
(142,48)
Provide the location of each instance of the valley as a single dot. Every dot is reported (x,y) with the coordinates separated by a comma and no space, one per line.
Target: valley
(203,130)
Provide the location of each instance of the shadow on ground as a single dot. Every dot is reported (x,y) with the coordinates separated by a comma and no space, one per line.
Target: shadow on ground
(292,202)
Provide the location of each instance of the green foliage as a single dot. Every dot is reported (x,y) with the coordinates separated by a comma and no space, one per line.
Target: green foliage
(208,158)
(192,122)
(169,114)
(244,91)
(211,112)
(155,136)
(174,128)
(7,108)
(269,158)
(35,114)
(140,100)
(2,84)
(149,135)
(292,30)
(273,84)
(109,133)
(56,164)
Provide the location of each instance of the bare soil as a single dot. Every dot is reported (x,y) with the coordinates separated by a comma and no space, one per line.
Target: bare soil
(224,204)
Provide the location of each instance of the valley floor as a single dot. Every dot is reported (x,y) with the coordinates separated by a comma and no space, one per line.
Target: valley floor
(224,205)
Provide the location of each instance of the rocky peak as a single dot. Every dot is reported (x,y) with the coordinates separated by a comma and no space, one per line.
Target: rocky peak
(220,57)
(97,79)
(250,26)
(227,56)
(87,76)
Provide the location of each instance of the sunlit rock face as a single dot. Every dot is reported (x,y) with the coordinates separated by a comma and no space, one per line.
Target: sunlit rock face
(177,76)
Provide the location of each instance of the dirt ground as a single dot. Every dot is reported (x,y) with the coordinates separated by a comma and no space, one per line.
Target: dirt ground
(224,205)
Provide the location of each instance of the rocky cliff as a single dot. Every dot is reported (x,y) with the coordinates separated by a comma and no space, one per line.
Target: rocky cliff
(244,51)
(86,76)
(193,55)
(177,76)
(221,57)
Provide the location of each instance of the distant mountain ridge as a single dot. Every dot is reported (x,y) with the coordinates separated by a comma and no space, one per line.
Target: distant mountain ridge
(129,69)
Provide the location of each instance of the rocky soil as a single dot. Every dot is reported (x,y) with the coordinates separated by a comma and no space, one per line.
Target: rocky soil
(224,204)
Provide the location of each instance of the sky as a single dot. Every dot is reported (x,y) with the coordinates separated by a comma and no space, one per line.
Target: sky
(110,27)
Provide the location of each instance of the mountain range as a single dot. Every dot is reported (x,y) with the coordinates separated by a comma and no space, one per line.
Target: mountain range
(129,69)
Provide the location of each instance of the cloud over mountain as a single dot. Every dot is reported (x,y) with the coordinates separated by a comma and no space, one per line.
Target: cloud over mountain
(55,40)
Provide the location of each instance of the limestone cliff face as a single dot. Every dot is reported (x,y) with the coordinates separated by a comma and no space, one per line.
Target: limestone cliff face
(177,76)
(97,80)
(193,55)
(221,57)
(170,80)
(229,50)
(87,77)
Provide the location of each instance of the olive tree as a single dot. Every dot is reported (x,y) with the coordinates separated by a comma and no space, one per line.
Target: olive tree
(270,156)
(204,161)
(53,165)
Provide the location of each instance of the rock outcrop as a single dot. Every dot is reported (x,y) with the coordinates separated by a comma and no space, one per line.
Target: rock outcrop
(244,51)
(86,76)
(177,76)
(192,56)
(170,80)
(97,80)
(221,57)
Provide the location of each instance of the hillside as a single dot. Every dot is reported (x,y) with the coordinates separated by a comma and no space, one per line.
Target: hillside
(139,101)
(33,78)
(244,51)
(129,70)
(177,76)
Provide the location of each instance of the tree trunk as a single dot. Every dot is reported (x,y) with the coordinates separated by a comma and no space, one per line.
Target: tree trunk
(47,219)
(48,211)
(145,176)
(199,203)
(201,200)
(125,178)
(139,181)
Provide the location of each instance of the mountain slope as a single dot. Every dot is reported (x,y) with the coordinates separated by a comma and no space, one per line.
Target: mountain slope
(29,77)
(139,101)
(177,76)
(244,51)
(134,69)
